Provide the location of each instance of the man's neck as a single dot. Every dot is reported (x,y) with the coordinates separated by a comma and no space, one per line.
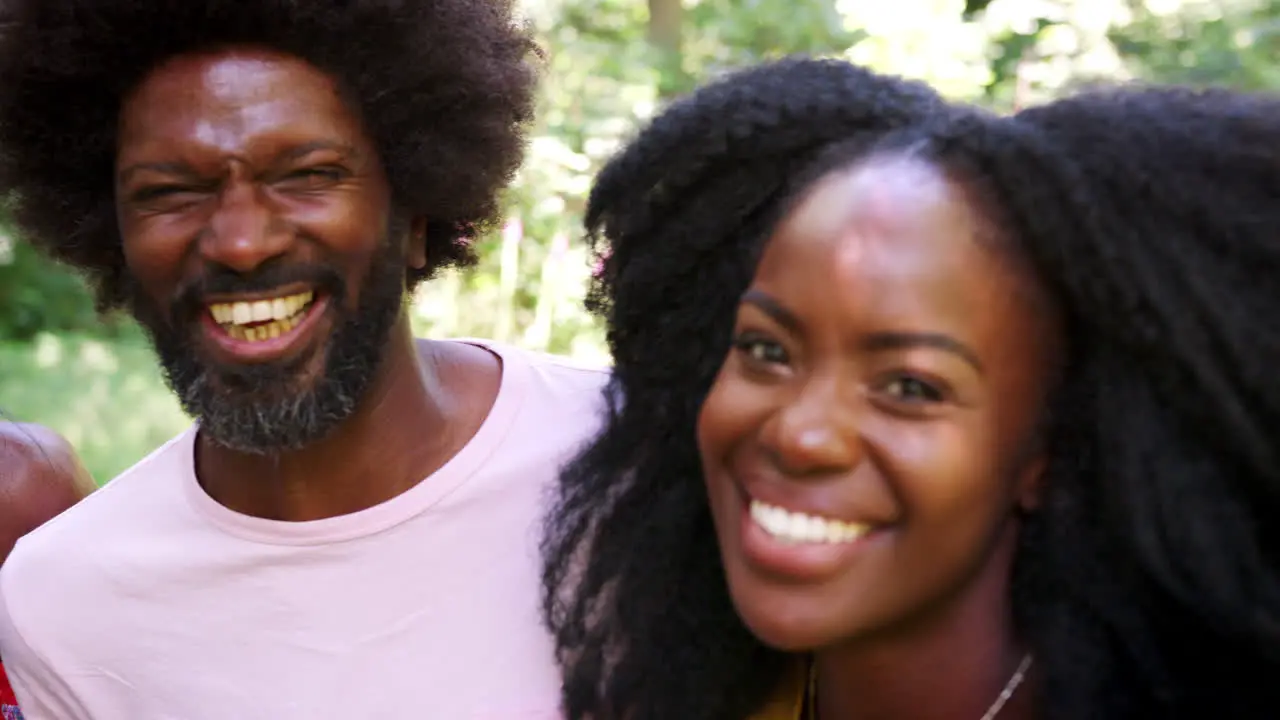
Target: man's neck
(420,409)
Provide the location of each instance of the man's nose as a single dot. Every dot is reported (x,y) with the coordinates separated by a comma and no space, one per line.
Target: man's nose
(243,233)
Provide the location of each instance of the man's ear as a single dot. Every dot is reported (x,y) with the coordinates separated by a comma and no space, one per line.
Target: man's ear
(416,252)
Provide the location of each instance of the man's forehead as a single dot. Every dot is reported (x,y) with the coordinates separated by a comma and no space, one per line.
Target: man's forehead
(230,100)
(233,78)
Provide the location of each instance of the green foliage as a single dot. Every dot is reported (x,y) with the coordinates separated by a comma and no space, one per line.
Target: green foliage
(727,34)
(602,77)
(1010,49)
(37,295)
(973,7)
(105,395)
(1234,43)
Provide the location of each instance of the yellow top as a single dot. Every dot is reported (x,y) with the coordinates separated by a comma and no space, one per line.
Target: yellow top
(788,702)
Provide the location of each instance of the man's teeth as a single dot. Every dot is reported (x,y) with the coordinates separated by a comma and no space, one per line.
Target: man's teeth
(269,318)
(801,528)
(244,313)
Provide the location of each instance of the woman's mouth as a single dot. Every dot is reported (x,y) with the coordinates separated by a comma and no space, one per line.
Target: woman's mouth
(801,546)
(796,527)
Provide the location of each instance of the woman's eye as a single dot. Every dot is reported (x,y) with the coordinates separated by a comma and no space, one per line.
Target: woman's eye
(761,351)
(914,390)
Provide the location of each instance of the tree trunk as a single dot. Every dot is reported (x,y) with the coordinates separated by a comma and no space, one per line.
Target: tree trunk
(666,20)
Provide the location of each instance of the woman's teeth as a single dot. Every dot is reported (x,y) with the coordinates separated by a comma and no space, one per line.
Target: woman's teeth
(262,319)
(800,528)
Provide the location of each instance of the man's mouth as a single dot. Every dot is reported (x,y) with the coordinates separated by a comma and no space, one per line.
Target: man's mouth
(263,319)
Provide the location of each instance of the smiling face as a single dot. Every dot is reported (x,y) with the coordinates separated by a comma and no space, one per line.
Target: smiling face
(256,222)
(870,437)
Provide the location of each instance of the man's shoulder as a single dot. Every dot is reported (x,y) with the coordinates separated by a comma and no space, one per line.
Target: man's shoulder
(54,583)
(586,371)
(556,377)
(548,407)
(564,373)
(110,512)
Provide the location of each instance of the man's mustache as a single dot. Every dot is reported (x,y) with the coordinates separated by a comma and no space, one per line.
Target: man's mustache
(189,300)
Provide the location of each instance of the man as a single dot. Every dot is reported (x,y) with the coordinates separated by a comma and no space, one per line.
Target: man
(40,476)
(350,529)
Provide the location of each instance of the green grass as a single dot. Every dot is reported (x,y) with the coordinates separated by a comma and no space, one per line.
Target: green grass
(106,396)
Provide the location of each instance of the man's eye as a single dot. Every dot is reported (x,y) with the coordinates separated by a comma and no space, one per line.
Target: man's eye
(156,192)
(313,177)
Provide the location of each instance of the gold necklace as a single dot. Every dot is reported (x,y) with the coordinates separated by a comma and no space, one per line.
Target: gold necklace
(811,694)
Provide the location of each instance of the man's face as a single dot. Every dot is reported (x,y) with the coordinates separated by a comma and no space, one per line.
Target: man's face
(262,254)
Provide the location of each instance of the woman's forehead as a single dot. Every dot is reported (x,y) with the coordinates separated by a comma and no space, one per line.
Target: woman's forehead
(876,213)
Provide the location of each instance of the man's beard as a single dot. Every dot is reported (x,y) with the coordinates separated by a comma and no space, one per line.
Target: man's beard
(267,409)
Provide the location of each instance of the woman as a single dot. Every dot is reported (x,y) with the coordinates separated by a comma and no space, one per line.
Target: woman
(955,417)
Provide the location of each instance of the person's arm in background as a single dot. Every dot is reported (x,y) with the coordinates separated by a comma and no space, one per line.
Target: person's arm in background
(40,476)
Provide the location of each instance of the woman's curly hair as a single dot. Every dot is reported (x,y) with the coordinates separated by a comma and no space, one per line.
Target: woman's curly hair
(1165,569)
(1147,584)
(677,218)
(444,87)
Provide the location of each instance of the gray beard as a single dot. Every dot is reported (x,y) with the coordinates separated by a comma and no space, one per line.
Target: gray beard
(266,409)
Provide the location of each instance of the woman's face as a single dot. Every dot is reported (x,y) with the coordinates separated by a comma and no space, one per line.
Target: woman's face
(870,438)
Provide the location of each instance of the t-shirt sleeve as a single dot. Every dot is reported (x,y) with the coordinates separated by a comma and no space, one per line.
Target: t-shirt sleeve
(42,694)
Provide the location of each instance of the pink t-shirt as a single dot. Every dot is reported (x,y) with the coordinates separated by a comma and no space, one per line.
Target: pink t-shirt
(149,600)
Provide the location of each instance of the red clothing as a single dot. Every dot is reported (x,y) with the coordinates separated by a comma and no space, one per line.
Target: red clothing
(8,703)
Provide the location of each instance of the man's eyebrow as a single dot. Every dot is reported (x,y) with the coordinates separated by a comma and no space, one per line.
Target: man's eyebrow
(298,152)
(184,170)
(179,169)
